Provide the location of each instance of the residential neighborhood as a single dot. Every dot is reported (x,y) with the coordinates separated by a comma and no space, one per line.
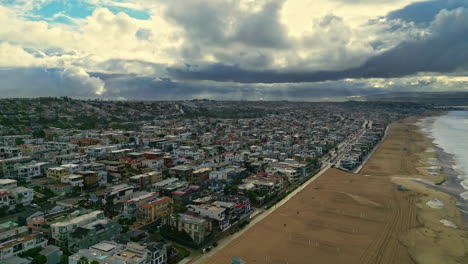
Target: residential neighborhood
(158,182)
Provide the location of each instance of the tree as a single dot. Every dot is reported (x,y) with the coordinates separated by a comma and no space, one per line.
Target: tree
(3,211)
(83,260)
(19,141)
(39,134)
(39,259)
(165,173)
(63,259)
(94,262)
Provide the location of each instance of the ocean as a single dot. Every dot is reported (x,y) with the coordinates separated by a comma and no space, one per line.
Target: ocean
(450,133)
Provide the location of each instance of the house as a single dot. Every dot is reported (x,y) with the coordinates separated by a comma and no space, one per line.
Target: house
(114,253)
(181,172)
(30,171)
(145,180)
(56,173)
(73,158)
(9,167)
(72,168)
(196,227)
(99,151)
(36,223)
(87,235)
(265,183)
(118,193)
(184,196)
(155,210)
(60,231)
(213,212)
(74,180)
(52,253)
(134,163)
(164,184)
(11,152)
(15,239)
(130,208)
(199,176)
(6,199)
(9,192)
(90,179)
(60,188)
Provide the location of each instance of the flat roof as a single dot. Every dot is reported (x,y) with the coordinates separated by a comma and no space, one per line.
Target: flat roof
(104,246)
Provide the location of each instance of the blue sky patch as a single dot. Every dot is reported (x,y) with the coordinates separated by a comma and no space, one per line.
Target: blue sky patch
(60,11)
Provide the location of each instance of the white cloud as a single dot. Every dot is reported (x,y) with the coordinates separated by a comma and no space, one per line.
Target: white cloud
(282,35)
(15,56)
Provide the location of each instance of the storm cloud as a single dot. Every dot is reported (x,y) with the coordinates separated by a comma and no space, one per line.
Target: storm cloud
(232,49)
(444,50)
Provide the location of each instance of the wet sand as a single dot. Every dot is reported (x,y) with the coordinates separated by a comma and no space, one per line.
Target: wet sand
(363,218)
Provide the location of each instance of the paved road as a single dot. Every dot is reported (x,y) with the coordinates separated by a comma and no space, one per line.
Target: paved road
(261,216)
(261,213)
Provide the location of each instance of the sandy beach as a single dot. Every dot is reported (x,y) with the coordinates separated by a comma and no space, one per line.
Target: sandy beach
(364,218)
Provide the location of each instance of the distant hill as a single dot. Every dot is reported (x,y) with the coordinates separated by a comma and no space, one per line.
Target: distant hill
(436,98)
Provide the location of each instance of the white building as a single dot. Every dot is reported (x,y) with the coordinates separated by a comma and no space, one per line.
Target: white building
(99,151)
(60,230)
(110,252)
(118,193)
(11,194)
(23,195)
(15,240)
(28,172)
(74,180)
(72,168)
(12,152)
(210,211)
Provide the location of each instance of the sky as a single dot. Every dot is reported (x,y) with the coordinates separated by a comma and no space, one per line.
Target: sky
(299,50)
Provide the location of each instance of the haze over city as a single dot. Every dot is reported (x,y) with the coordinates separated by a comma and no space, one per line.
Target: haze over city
(231,50)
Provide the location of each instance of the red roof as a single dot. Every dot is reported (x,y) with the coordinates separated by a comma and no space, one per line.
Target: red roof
(240,205)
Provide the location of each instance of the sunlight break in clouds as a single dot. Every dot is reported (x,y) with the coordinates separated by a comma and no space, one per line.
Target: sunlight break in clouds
(133,48)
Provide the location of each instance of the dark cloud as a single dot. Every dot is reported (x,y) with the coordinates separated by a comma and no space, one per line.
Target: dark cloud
(425,12)
(134,87)
(263,29)
(224,27)
(443,51)
(32,82)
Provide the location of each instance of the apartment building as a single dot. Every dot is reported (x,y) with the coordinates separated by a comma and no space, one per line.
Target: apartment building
(145,180)
(61,231)
(197,228)
(9,167)
(118,193)
(92,233)
(213,212)
(155,210)
(130,208)
(30,171)
(56,173)
(15,239)
(12,195)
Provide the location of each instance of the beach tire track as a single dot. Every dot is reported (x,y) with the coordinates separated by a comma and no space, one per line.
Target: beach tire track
(381,245)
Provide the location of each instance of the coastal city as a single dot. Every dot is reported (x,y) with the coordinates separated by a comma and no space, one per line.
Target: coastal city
(91,181)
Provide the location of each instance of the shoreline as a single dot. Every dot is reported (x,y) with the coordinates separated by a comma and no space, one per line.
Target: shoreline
(441,238)
(367,218)
(447,163)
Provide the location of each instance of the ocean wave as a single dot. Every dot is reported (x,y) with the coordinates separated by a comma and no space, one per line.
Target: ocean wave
(464,184)
(464,195)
